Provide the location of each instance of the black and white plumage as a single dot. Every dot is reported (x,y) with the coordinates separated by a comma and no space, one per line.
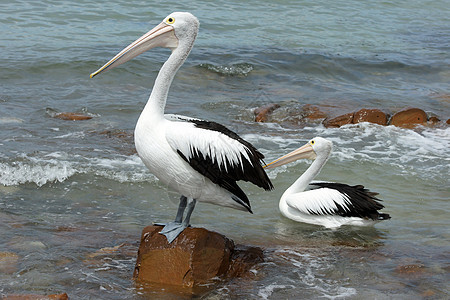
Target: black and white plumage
(328,204)
(201,160)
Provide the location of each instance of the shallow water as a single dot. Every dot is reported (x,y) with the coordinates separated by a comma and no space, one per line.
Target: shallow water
(69,189)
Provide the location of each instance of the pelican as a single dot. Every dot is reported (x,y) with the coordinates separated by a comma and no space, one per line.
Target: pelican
(325,203)
(199,159)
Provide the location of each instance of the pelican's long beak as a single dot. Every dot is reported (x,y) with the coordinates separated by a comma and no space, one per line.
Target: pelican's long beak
(305,151)
(162,35)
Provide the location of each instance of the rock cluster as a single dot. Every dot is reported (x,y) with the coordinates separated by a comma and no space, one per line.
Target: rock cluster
(406,118)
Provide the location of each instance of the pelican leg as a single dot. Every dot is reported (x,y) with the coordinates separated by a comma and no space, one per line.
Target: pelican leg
(176,230)
(178,219)
(191,206)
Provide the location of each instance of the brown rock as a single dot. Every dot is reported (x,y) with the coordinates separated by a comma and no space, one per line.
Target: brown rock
(243,259)
(121,134)
(428,293)
(312,112)
(194,258)
(370,115)
(37,297)
(409,118)
(433,119)
(339,121)
(262,112)
(448,121)
(72,116)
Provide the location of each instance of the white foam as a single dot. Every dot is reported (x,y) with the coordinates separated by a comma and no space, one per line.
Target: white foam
(59,166)
(268,290)
(406,149)
(309,267)
(27,172)
(78,134)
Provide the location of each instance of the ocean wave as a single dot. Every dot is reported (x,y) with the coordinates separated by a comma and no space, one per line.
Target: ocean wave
(409,151)
(27,172)
(240,69)
(406,151)
(59,167)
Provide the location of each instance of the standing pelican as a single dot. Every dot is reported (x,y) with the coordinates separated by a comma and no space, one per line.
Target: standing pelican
(201,160)
(325,203)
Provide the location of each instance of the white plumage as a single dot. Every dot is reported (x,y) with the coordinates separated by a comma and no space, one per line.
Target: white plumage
(325,203)
(199,159)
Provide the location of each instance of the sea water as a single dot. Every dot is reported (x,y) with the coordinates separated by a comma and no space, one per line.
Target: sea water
(69,190)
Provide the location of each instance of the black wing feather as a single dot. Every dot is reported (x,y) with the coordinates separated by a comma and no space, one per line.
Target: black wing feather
(364,203)
(253,172)
(249,171)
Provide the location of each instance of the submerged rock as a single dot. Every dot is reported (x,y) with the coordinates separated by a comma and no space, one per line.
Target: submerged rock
(262,112)
(8,262)
(408,118)
(71,116)
(412,270)
(195,258)
(312,112)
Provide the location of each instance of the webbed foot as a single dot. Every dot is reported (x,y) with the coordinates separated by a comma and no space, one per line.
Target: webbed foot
(169,227)
(172,230)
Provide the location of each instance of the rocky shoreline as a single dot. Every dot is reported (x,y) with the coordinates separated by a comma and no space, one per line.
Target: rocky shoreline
(307,114)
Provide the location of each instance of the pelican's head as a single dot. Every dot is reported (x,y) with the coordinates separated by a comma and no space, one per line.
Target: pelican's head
(318,146)
(177,30)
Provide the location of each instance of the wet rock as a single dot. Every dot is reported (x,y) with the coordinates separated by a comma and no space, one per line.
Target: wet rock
(194,258)
(123,139)
(243,258)
(262,112)
(409,118)
(428,293)
(370,115)
(433,120)
(339,120)
(8,262)
(448,121)
(37,297)
(117,133)
(72,116)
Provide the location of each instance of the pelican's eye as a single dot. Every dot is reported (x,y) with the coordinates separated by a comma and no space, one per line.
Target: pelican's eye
(312,142)
(170,20)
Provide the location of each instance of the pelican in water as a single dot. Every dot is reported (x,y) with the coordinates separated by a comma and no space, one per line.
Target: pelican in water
(325,203)
(199,159)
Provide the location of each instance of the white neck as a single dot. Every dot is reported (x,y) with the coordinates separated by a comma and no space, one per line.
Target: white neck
(314,169)
(157,100)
